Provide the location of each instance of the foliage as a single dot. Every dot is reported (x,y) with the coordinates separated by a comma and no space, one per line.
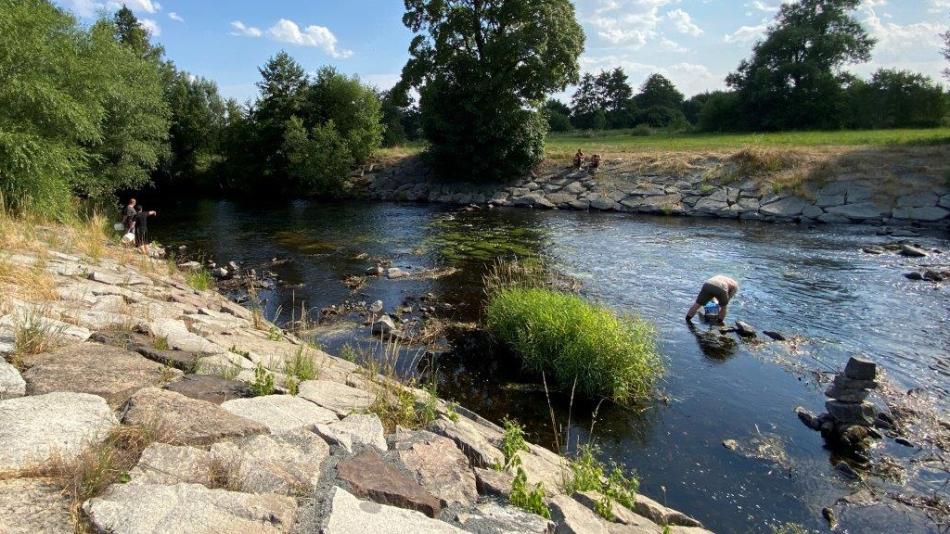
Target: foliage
(400,120)
(33,333)
(345,105)
(482,69)
(590,474)
(558,115)
(721,112)
(318,160)
(199,117)
(790,82)
(529,500)
(512,441)
(604,101)
(200,280)
(397,406)
(79,111)
(577,342)
(302,366)
(263,381)
(895,99)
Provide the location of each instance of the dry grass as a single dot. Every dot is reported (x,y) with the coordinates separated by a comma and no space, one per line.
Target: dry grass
(32,283)
(225,474)
(99,466)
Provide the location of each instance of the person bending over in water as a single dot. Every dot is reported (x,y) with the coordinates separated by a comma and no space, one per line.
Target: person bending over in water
(720,287)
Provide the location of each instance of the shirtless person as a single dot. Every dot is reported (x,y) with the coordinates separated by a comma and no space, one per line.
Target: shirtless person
(720,287)
(578,159)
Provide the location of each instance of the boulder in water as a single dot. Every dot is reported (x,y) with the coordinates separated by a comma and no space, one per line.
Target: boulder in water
(777,336)
(745,329)
(384,326)
(873,249)
(912,251)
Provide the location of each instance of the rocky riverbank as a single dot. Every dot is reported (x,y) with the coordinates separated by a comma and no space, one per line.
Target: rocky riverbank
(131,402)
(891,188)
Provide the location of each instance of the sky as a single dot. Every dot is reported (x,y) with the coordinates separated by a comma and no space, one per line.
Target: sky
(695,43)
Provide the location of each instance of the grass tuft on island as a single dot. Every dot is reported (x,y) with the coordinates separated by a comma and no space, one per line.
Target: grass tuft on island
(574,341)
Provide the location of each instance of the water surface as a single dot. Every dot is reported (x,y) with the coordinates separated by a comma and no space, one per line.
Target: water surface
(814,284)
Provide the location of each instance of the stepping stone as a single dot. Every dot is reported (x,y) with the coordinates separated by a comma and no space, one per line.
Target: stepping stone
(110,372)
(573,517)
(287,463)
(144,345)
(193,422)
(210,388)
(34,428)
(280,413)
(491,517)
(192,508)
(347,515)
(32,505)
(11,383)
(180,338)
(339,398)
(354,431)
(168,465)
(473,443)
(438,465)
(371,477)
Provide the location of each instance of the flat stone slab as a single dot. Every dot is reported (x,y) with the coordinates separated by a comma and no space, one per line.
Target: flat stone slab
(193,422)
(493,518)
(573,517)
(192,508)
(12,384)
(210,388)
(369,476)
(354,431)
(621,514)
(110,372)
(34,428)
(168,465)
(438,465)
(339,398)
(662,515)
(180,338)
(33,505)
(473,443)
(545,467)
(280,413)
(144,345)
(287,463)
(348,515)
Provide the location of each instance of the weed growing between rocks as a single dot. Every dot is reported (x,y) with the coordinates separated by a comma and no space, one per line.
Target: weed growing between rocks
(512,442)
(522,496)
(263,381)
(301,366)
(396,405)
(160,343)
(587,473)
(33,333)
(200,280)
(101,465)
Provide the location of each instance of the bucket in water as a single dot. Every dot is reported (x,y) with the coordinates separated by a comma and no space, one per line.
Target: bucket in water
(711,311)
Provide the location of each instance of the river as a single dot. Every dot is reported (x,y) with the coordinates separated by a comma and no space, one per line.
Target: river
(814,285)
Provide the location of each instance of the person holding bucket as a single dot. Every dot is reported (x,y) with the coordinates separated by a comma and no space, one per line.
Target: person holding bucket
(719,287)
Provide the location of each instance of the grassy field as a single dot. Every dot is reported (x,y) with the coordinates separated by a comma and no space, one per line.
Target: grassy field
(563,145)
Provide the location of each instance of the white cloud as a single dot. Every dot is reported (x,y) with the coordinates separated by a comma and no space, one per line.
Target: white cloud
(241,30)
(287,31)
(893,38)
(747,34)
(626,22)
(147,6)
(684,23)
(151,27)
(673,46)
(939,6)
(82,8)
(175,16)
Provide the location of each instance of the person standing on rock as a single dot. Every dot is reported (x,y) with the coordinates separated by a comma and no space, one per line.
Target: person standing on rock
(128,215)
(719,287)
(140,226)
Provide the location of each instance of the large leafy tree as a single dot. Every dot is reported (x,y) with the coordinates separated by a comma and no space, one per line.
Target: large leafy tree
(283,88)
(353,108)
(659,102)
(792,79)
(483,69)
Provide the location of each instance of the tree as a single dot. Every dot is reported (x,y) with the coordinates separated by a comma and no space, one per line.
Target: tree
(586,101)
(694,106)
(617,98)
(558,115)
(199,117)
(354,109)
(721,113)
(946,52)
(483,68)
(319,159)
(895,99)
(129,31)
(283,85)
(791,80)
(659,103)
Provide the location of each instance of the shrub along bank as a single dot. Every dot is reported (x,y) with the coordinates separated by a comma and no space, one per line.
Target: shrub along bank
(570,339)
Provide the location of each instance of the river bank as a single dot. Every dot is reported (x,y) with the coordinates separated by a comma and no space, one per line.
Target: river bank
(133,402)
(877,186)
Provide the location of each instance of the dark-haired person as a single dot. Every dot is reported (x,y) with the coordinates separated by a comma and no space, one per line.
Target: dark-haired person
(140,225)
(128,215)
(578,159)
(719,287)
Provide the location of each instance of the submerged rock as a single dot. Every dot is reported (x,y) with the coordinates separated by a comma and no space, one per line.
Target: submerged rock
(777,336)
(912,251)
(745,329)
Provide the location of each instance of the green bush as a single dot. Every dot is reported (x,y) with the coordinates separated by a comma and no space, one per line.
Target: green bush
(570,339)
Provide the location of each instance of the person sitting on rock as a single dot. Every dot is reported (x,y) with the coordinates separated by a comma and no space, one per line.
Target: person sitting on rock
(719,287)
(594,162)
(578,159)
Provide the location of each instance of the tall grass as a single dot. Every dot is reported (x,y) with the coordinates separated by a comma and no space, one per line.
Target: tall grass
(566,337)
(200,280)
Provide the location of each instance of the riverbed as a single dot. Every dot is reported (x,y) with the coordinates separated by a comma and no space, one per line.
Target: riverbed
(814,285)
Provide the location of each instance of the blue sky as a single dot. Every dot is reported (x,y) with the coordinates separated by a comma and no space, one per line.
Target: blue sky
(693,42)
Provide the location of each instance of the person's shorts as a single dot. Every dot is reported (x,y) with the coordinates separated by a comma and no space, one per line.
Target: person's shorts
(712,290)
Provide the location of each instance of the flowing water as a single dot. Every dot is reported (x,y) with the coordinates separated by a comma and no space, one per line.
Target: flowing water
(814,285)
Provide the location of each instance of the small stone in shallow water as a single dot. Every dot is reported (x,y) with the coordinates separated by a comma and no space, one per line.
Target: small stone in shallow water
(777,336)
(745,329)
(829,516)
(873,249)
(912,251)
(845,469)
(914,275)
(904,441)
(811,420)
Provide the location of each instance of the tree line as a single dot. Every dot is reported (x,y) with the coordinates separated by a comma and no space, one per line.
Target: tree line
(794,80)
(88,111)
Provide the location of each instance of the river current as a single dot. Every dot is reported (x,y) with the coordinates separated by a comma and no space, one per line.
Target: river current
(814,285)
